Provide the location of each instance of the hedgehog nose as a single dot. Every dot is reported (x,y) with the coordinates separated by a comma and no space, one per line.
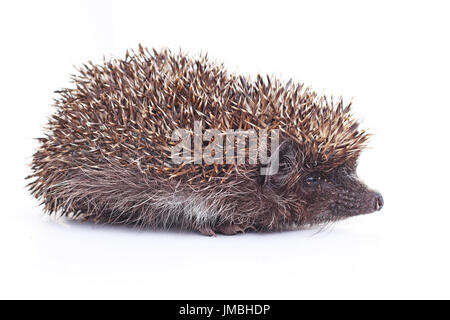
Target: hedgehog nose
(379,202)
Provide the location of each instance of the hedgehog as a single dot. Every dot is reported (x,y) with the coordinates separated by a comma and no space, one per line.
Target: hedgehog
(108,152)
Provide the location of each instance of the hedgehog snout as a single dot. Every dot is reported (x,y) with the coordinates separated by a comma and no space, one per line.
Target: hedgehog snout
(374,202)
(356,202)
(378,201)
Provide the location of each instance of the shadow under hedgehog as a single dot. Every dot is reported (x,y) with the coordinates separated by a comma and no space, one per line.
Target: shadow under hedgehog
(106,156)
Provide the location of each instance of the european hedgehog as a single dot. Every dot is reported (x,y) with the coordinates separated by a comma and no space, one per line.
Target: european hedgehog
(108,155)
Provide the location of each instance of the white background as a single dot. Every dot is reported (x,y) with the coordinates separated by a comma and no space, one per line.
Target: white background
(391,56)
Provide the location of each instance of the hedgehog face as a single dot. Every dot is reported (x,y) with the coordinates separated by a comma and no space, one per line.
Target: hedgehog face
(322,191)
(337,194)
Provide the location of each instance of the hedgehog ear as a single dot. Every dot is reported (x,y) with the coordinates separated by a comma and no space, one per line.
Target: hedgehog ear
(280,164)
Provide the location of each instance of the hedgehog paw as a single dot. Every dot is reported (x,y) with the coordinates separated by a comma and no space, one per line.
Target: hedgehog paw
(206,231)
(230,229)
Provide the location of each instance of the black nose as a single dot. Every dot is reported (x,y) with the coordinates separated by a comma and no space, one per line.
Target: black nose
(379,202)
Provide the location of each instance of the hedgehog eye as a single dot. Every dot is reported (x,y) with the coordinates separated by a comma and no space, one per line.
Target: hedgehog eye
(313,180)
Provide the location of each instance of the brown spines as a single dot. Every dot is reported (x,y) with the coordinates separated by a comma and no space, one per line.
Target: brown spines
(124,112)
